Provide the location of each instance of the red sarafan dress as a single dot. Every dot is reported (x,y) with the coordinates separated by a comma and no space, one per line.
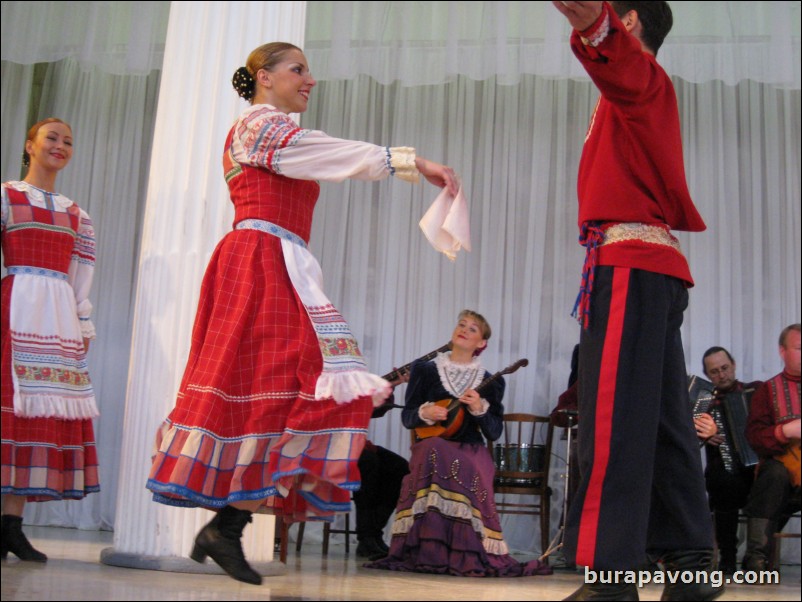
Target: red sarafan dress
(48,443)
(276,398)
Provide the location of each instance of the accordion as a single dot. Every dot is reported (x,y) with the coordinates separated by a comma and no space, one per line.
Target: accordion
(731,420)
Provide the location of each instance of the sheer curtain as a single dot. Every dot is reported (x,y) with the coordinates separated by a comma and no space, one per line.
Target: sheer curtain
(16,92)
(100,78)
(510,115)
(421,43)
(517,149)
(122,38)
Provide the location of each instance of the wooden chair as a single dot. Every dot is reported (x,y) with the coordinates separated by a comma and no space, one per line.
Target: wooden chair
(522,469)
(283,527)
(347,531)
(283,537)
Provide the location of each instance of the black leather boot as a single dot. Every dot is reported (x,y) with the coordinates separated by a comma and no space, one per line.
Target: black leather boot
(693,561)
(221,540)
(605,591)
(14,540)
(759,533)
(370,548)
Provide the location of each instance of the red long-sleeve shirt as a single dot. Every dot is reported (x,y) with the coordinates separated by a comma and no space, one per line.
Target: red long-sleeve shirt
(632,167)
(764,427)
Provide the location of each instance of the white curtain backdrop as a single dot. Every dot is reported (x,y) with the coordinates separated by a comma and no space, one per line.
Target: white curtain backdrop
(517,148)
(493,90)
(123,38)
(16,92)
(421,43)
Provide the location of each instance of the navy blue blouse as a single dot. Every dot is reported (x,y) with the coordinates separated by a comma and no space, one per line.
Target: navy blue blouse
(424,385)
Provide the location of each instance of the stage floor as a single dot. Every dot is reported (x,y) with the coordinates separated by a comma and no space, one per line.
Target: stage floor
(73,572)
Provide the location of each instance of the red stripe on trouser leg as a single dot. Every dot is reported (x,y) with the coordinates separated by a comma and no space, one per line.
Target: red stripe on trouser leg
(605,403)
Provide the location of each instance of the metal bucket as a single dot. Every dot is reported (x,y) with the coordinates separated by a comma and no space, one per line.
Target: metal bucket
(519,458)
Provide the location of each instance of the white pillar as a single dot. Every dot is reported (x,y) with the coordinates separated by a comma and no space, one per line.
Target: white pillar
(188,211)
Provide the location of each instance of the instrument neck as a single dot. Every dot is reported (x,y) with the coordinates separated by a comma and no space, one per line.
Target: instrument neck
(398,372)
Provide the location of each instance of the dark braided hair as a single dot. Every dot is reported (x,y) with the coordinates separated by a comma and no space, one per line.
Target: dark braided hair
(244,83)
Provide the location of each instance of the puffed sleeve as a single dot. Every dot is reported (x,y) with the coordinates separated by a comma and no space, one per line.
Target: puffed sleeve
(82,269)
(264,137)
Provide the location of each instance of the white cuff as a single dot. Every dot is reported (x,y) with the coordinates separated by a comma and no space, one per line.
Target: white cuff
(87,328)
(598,36)
(402,163)
(483,411)
(425,405)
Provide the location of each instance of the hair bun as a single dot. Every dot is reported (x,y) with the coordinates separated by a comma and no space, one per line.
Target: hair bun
(244,83)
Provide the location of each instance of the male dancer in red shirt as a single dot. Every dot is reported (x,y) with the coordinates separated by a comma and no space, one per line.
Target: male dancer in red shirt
(642,491)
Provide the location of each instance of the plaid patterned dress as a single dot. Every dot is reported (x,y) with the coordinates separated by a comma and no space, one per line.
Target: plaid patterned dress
(48,443)
(275,400)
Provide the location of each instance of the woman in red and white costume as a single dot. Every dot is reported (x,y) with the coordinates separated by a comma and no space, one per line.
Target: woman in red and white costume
(48,402)
(276,398)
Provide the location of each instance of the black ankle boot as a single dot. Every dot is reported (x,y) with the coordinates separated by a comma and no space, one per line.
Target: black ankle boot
(221,540)
(14,540)
(370,548)
(701,588)
(605,591)
(759,534)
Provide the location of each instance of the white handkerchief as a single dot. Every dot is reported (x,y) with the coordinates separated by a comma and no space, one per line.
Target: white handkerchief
(446,224)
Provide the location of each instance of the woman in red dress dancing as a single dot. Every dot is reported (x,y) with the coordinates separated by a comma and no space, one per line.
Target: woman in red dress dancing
(275,401)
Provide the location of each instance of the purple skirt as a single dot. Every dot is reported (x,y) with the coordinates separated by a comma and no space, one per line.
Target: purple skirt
(446,520)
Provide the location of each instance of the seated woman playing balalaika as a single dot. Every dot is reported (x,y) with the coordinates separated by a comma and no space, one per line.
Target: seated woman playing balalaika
(446,520)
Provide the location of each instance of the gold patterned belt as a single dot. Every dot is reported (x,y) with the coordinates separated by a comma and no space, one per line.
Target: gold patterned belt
(595,235)
(656,235)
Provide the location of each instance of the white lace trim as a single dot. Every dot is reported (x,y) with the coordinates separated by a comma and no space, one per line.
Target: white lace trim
(54,406)
(483,411)
(420,413)
(458,378)
(598,36)
(402,162)
(491,540)
(344,387)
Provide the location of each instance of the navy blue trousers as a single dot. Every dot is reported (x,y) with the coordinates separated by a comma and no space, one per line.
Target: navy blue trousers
(642,490)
